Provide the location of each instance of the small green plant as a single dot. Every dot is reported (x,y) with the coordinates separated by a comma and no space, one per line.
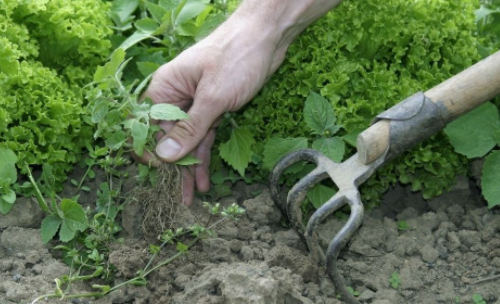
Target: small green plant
(394,280)
(8,176)
(476,135)
(403,226)
(96,261)
(478,299)
(351,290)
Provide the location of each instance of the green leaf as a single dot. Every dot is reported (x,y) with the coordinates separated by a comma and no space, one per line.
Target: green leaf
(490,181)
(332,147)
(139,135)
(134,39)
(8,161)
(111,67)
(188,160)
(99,110)
(320,194)
(169,5)
(49,228)
(181,247)
(116,140)
(190,10)
(5,206)
(352,137)
(237,150)
(147,68)
(477,298)
(496,136)
(124,8)
(473,134)
(147,25)
(9,196)
(276,148)
(319,115)
(157,12)
(74,219)
(165,111)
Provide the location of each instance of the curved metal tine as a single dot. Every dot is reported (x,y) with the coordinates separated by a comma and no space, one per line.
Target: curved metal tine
(333,204)
(299,191)
(285,163)
(340,240)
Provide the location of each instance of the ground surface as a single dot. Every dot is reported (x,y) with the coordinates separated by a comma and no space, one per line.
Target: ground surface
(452,242)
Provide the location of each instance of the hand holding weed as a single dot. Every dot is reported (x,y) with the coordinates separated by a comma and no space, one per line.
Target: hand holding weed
(220,74)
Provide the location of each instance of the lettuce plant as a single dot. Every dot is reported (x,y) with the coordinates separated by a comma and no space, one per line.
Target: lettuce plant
(48,50)
(364,57)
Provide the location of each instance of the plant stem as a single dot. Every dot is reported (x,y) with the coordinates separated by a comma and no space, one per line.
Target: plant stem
(38,194)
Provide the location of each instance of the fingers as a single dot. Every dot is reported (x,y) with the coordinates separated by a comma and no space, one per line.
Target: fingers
(187,134)
(202,170)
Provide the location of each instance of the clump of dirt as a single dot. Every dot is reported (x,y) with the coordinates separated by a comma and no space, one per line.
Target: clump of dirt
(160,202)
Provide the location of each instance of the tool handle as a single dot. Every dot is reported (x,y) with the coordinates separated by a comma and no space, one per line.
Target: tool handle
(454,97)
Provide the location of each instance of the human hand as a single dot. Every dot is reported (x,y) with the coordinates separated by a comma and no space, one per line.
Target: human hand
(221,74)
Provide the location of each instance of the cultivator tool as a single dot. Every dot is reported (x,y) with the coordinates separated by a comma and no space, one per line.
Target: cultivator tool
(393,132)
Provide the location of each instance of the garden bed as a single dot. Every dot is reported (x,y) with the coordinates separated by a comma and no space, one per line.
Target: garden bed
(407,251)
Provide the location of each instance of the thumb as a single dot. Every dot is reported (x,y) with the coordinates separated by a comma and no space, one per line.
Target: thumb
(186,134)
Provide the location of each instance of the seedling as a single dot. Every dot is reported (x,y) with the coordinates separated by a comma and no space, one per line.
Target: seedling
(478,299)
(395,280)
(403,226)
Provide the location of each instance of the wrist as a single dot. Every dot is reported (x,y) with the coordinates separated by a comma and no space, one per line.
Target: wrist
(281,21)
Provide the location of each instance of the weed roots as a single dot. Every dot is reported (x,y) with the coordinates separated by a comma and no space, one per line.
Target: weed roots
(160,202)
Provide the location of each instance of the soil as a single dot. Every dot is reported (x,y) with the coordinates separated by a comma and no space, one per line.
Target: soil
(451,245)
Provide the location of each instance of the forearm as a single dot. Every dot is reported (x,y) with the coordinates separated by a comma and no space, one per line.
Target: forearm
(281,20)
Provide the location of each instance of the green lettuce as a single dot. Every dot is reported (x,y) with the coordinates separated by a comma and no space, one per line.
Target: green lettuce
(364,57)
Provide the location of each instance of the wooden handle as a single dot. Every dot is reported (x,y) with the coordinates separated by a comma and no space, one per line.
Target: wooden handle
(456,96)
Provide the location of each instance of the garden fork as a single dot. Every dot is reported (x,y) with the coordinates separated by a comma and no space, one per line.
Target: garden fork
(393,132)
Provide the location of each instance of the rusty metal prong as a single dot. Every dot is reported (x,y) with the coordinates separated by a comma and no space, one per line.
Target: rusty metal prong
(342,198)
(285,163)
(298,193)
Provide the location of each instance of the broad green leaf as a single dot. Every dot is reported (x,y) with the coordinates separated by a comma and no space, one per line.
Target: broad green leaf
(473,134)
(188,29)
(169,5)
(9,196)
(111,67)
(8,161)
(188,160)
(190,10)
(157,12)
(332,147)
(147,25)
(496,137)
(74,219)
(134,39)
(320,194)
(99,110)
(49,228)
(209,25)
(223,190)
(147,68)
(319,115)
(276,148)
(116,140)
(165,111)
(352,137)
(139,135)
(124,8)
(141,111)
(5,206)
(490,180)
(66,234)
(237,150)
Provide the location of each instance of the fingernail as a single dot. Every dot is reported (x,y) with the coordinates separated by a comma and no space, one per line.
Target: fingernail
(168,148)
